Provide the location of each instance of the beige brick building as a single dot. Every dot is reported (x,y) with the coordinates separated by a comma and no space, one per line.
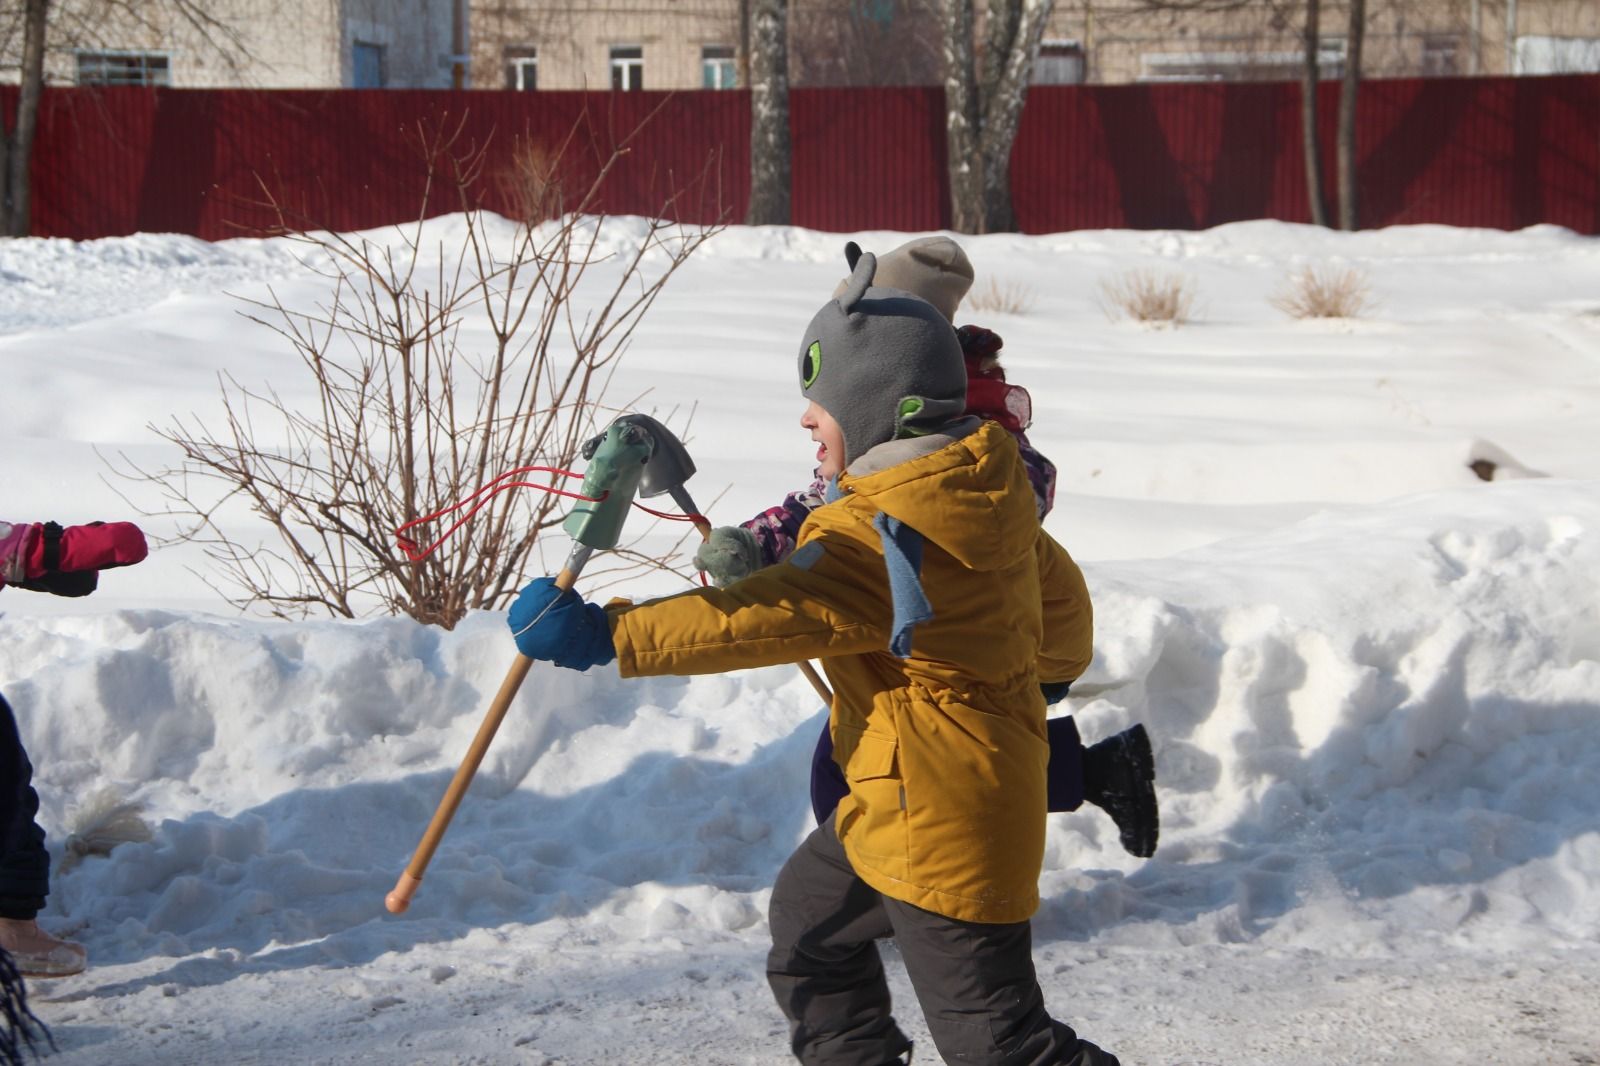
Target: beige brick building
(697,44)
(687,44)
(1116,41)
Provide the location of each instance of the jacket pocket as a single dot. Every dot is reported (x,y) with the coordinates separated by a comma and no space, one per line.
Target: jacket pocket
(875,828)
(872,758)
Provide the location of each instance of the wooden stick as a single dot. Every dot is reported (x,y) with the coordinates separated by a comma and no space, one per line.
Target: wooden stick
(398,900)
(816,682)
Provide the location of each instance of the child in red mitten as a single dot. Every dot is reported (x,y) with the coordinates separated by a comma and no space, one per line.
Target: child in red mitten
(64,561)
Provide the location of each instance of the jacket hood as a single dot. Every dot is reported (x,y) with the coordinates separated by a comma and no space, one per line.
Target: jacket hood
(964,489)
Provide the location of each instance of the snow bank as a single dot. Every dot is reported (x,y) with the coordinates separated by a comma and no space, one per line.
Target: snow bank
(1366,723)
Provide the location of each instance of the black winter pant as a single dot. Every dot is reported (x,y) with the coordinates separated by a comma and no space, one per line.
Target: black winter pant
(24,863)
(975,981)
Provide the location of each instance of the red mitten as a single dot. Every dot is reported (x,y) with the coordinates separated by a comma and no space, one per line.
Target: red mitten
(96,546)
(17,540)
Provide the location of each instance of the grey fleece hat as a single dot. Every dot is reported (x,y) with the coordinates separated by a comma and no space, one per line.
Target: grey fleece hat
(885,364)
(934,268)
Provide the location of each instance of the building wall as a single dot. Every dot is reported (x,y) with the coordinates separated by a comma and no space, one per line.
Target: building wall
(1134,40)
(275,44)
(574,41)
(312,43)
(414,34)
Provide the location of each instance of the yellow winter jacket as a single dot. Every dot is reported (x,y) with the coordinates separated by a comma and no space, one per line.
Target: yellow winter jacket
(945,751)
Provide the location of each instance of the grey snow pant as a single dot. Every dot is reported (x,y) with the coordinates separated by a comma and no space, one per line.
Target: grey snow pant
(975,981)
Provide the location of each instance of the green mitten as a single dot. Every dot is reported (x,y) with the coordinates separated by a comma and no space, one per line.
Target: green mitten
(730,553)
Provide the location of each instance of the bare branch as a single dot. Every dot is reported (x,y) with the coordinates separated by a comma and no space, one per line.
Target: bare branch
(408,420)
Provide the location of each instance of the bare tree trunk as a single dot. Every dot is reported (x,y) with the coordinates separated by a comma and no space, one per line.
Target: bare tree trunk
(93,26)
(769,114)
(1002,111)
(17,217)
(984,109)
(1000,21)
(963,157)
(1309,79)
(1348,214)
(744,44)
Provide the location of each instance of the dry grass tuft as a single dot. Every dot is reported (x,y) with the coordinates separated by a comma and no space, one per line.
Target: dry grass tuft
(1324,292)
(1001,297)
(1146,296)
(531,183)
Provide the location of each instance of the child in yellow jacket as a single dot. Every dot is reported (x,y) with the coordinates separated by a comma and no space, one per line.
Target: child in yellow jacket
(937,606)
(1118,773)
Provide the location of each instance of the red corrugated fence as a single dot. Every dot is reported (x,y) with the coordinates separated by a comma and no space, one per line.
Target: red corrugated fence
(1502,152)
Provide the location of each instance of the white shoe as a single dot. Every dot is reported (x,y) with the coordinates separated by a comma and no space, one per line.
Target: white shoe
(37,953)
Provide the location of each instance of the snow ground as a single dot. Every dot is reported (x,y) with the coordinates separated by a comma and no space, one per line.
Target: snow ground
(1373,681)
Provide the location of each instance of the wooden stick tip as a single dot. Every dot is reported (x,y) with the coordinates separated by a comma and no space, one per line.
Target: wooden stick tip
(399,900)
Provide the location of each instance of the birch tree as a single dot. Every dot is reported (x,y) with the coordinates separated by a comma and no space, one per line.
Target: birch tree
(1349,216)
(769,114)
(1309,78)
(16,139)
(983,104)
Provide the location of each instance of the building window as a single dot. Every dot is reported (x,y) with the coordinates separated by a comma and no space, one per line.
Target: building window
(522,68)
(717,70)
(366,66)
(123,68)
(1440,56)
(1557,55)
(1241,65)
(627,68)
(1059,63)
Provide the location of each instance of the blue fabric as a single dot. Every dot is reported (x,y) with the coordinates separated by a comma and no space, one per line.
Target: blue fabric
(24,862)
(571,633)
(828,785)
(902,557)
(1064,776)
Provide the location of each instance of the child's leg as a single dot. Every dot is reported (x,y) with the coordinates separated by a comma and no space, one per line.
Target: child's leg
(24,862)
(1064,776)
(979,994)
(824,968)
(828,785)
(25,867)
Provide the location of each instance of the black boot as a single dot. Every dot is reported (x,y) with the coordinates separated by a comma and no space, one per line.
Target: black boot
(1119,776)
(1092,1055)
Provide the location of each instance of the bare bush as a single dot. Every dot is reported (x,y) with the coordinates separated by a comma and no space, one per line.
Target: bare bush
(1001,297)
(409,417)
(1324,292)
(1158,299)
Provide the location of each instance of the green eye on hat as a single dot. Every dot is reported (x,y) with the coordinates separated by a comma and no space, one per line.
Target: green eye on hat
(910,408)
(811,365)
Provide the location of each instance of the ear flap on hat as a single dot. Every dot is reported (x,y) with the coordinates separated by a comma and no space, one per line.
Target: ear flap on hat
(861,274)
(939,254)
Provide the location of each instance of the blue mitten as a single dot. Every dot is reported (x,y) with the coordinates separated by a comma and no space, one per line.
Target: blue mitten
(559,627)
